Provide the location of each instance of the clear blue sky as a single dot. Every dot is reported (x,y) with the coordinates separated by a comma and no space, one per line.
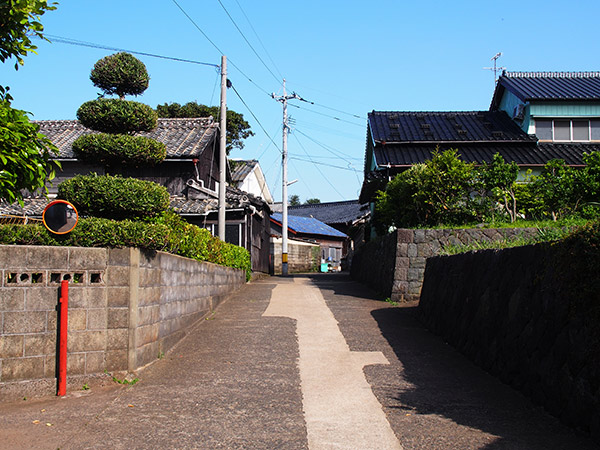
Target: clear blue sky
(349,56)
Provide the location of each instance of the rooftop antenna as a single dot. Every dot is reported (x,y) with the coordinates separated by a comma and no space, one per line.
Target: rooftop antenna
(495,69)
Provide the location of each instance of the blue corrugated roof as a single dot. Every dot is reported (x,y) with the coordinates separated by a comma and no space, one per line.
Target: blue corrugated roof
(308,225)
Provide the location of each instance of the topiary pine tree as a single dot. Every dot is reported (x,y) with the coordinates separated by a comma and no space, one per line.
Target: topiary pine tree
(115,145)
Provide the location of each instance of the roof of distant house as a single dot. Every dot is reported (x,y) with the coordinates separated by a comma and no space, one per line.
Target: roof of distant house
(241,169)
(331,212)
(307,225)
(184,138)
(549,86)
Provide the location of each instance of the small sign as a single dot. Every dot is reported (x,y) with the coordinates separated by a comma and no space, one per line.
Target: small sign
(60,217)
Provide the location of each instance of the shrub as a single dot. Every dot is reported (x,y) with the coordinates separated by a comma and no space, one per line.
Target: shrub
(114,197)
(116,116)
(119,149)
(121,74)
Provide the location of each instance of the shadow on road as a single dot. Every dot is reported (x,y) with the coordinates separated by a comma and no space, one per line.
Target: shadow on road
(434,388)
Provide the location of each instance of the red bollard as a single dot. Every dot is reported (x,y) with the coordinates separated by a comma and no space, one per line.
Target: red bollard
(62,339)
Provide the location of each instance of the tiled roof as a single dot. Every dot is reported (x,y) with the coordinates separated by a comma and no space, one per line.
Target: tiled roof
(457,126)
(307,225)
(33,207)
(549,86)
(332,212)
(241,169)
(184,138)
(523,155)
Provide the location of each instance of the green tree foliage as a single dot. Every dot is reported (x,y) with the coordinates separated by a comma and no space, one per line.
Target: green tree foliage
(25,154)
(121,74)
(499,180)
(294,200)
(111,115)
(312,201)
(119,150)
(114,197)
(237,128)
(432,193)
(19,22)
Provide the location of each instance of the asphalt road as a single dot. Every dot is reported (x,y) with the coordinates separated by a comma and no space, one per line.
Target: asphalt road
(312,361)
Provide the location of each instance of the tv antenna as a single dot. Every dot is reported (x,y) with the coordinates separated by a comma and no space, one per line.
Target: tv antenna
(495,69)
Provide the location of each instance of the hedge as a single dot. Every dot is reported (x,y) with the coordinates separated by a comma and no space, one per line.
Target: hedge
(111,115)
(121,74)
(119,149)
(168,233)
(114,197)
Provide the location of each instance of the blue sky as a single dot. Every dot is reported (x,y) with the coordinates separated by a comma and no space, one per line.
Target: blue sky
(348,57)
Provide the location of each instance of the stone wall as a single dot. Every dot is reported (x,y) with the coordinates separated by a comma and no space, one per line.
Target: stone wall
(527,315)
(394,265)
(125,307)
(301,256)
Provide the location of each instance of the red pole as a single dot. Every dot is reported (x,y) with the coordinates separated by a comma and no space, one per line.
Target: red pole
(62,342)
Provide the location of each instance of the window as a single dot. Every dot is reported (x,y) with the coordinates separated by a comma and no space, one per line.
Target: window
(568,130)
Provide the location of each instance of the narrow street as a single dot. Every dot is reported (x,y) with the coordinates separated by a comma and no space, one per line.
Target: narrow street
(305,362)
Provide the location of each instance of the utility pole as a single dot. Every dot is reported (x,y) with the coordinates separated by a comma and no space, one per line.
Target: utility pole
(222,149)
(284,222)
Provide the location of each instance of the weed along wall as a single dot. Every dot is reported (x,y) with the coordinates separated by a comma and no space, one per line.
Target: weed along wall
(125,308)
(528,315)
(394,264)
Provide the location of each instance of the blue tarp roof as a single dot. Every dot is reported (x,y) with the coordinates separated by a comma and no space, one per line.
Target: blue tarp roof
(308,225)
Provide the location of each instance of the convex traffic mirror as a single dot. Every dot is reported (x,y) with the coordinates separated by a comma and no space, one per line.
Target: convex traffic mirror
(60,217)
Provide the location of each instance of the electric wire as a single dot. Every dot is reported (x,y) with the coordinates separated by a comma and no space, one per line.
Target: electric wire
(331,150)
(259,40)
(255,118)
(247,41)
(64,40)
(326,115)
(217,48)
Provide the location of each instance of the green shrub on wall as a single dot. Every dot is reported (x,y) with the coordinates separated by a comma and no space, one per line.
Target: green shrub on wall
(121,74)
(119,149)
(111,115)
(114,197)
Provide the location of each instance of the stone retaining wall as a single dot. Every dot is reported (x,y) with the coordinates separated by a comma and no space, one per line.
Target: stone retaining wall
(394,265)
(125,307)
(526,316)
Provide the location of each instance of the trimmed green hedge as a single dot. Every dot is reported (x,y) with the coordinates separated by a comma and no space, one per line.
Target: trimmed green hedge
(111,115)
(121,149)
(114,197)
(121,74)
(167,233)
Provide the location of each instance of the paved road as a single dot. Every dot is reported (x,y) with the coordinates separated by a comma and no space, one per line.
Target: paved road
(306,362)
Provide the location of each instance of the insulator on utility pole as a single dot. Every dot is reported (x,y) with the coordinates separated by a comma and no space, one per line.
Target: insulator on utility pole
(284,222)
(223,149)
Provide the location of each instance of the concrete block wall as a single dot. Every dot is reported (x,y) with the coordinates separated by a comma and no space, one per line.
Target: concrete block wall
(300,256)
(394,265)
(125,307)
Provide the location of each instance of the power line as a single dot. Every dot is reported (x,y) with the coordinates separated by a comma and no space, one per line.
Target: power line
(247,41)
(64,40)
(217,48)
(326,115)
(253,115)
(259,40)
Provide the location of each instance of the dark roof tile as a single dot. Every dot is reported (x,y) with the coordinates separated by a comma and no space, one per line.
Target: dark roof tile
(550,86)
(332,212)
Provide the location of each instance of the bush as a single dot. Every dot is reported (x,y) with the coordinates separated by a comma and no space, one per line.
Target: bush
(168,232)
(114,197)
(121,74)
(116,116)
(119,149)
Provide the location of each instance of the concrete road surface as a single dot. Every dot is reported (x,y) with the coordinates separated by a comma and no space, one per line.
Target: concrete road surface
(305,362)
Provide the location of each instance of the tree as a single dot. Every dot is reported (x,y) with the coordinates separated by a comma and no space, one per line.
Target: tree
(499,178)
(312,201)
(25,155)
(121,74)
(19,20)
(237,128)
(294,200)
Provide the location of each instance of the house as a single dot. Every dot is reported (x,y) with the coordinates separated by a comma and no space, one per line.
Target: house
(248,176)
(533,118)
(310,230)
(190,173)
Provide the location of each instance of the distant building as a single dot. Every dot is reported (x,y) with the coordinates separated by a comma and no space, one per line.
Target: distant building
(248,176)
